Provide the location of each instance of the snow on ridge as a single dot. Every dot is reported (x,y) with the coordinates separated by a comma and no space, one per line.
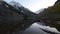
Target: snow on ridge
(15,4)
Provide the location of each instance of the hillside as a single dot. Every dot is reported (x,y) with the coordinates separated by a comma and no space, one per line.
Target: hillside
(51,15)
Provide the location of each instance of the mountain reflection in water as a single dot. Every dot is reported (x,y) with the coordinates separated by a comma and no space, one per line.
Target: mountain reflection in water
(36,28)
(32,29)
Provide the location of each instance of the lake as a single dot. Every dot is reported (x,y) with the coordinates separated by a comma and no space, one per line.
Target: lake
(32,29)
(36,28)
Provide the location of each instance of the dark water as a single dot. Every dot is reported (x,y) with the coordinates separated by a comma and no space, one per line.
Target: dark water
(32,29)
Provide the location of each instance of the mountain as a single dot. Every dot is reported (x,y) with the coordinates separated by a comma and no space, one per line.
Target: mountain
(40,10)
(9,13)
(12,19)
(21,8)
(9,18)
(15,4)
(51,15)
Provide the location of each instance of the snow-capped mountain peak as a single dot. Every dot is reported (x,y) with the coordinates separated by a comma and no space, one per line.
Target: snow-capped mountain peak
(15,4)
(40,10)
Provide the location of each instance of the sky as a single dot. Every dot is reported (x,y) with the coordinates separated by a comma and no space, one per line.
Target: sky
(35,5)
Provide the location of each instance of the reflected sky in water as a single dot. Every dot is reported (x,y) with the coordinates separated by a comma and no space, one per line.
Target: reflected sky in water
(34,29)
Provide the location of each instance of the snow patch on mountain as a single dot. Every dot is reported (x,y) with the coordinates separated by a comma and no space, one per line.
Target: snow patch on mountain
(15,4)
(40,10)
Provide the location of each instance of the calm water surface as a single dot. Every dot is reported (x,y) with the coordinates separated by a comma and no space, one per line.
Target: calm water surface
(34,29)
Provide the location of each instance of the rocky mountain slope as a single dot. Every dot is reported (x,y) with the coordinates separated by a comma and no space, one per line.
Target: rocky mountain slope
(12,18)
